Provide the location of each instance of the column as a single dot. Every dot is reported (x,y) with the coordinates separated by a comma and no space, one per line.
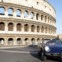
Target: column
(47,29)
(29,15)
(6,41)
(6,27)
(44,29)
(23,42)
(29,28)
(39,17)
(22,27)
(14,13)
(35,29)
(40,29)
(46,19)
(22,14)
(15,26)
(15,41)
(43,18)
(36,43)
(6,11)
(34,16)
(30,43)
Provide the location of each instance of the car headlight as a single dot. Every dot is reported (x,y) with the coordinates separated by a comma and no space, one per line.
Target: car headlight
(47,49)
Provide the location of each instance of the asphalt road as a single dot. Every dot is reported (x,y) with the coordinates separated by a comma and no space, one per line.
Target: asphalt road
(27,54)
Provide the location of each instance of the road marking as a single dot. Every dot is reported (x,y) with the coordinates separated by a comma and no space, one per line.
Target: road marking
(28,52)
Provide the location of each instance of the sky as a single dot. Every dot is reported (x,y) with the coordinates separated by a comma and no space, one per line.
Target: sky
(57,4)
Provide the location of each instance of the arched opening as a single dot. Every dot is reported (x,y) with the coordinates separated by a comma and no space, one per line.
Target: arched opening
(26,41)
(2,26)
(32,28)
(45,29)
(38,40)
(19,27)
(33,41)
(1,40)
(10,41)
(10,11)
(45,18)
(25,14)
(41,17)
(37,16)
(19,41)
(48,19)
(18,13)
(32,15)
(26,27)
(42,29)
(2,11)
(10,27)
(38,29)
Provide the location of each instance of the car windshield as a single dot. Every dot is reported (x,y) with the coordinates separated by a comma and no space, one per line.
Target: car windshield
(53,42)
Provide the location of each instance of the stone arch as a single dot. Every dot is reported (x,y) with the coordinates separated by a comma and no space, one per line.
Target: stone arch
(25,14)
(37,16)
(45,18)
(38,40)
(10,27)
(26,41)
(38,29)
(41,17)
(10,41)
(32,28)
(42,29)
(10,11)
(19,42)
(33,41)
(18,13)
(2,26)
(45,29)
(32,15)
(19,26)
(26,27)
(2,40)
(2,10)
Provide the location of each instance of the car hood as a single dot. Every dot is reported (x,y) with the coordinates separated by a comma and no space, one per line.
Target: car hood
(55,48)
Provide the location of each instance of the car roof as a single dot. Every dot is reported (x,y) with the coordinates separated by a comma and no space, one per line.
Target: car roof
(53,40)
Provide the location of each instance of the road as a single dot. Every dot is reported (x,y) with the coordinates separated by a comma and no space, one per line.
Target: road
(27,54)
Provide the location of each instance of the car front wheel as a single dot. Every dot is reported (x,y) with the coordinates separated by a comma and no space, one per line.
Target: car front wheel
(43,57)
(61,56)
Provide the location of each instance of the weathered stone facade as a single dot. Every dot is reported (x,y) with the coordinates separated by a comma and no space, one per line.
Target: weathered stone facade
(26,22)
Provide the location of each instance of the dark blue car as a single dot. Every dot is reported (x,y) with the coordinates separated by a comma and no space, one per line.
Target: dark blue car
(52,47)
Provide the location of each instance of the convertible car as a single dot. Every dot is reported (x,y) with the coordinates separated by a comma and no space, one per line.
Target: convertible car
(51,47)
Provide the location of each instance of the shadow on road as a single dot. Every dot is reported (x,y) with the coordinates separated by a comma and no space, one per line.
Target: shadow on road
(53,58)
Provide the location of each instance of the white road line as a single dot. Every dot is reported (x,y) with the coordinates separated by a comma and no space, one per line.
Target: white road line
(28,52)
(11,47)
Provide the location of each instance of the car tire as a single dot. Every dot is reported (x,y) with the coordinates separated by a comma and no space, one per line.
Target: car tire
(61,57)
(43,57)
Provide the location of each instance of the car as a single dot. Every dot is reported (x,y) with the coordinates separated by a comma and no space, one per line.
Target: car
(51,47)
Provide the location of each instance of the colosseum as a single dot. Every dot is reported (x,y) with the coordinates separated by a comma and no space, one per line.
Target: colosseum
(26,22)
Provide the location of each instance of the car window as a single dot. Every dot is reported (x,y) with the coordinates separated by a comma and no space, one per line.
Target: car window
(58,42)
(53,42)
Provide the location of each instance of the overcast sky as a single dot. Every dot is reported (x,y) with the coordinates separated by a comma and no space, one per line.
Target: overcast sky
(58,7)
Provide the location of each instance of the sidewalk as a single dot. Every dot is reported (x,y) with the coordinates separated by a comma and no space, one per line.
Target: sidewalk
(6,47)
